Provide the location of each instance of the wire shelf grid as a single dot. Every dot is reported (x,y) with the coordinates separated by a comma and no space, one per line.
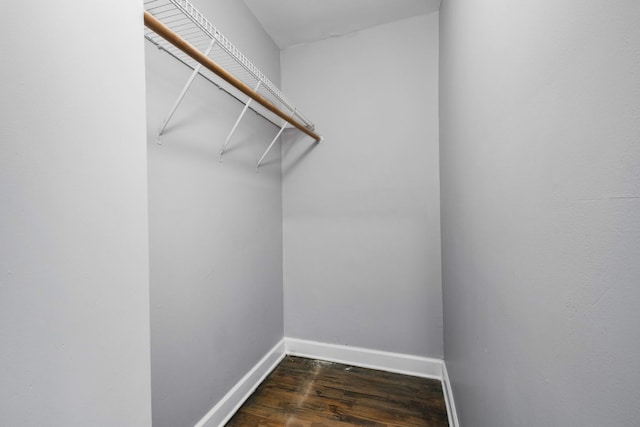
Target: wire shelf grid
(185,20)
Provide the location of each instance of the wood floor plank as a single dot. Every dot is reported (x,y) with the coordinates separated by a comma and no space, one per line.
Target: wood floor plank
(303,392)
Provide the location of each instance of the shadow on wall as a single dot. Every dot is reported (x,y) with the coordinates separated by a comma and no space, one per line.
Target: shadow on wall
(287,145)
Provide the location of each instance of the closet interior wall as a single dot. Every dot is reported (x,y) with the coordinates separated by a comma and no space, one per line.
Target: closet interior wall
(540,161)
(215,229)
(74,279)
(361,211)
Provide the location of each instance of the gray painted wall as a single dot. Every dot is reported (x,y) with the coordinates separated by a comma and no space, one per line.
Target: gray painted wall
(540,171)
(361,211)
(74,285)
(215,230)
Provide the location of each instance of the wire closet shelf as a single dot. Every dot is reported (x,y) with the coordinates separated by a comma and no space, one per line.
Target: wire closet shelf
(173,24)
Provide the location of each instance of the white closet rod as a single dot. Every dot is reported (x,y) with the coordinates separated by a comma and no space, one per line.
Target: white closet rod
(165,32)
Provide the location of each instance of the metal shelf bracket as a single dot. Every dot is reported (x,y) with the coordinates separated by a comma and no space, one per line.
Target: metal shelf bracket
(186,87)
(235,126)
(273,142)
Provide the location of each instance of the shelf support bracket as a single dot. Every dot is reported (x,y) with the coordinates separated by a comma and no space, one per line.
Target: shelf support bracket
(235,126)
(186,87)
(273,142)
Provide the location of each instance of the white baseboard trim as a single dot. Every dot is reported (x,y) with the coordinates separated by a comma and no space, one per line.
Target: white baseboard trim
(417,366)
(366,358)
(452,414)
(231,402)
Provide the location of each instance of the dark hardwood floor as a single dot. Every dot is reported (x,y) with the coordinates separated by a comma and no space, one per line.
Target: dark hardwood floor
(311,393)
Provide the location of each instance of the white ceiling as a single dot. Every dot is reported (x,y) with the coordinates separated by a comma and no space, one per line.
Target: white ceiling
(291,22)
